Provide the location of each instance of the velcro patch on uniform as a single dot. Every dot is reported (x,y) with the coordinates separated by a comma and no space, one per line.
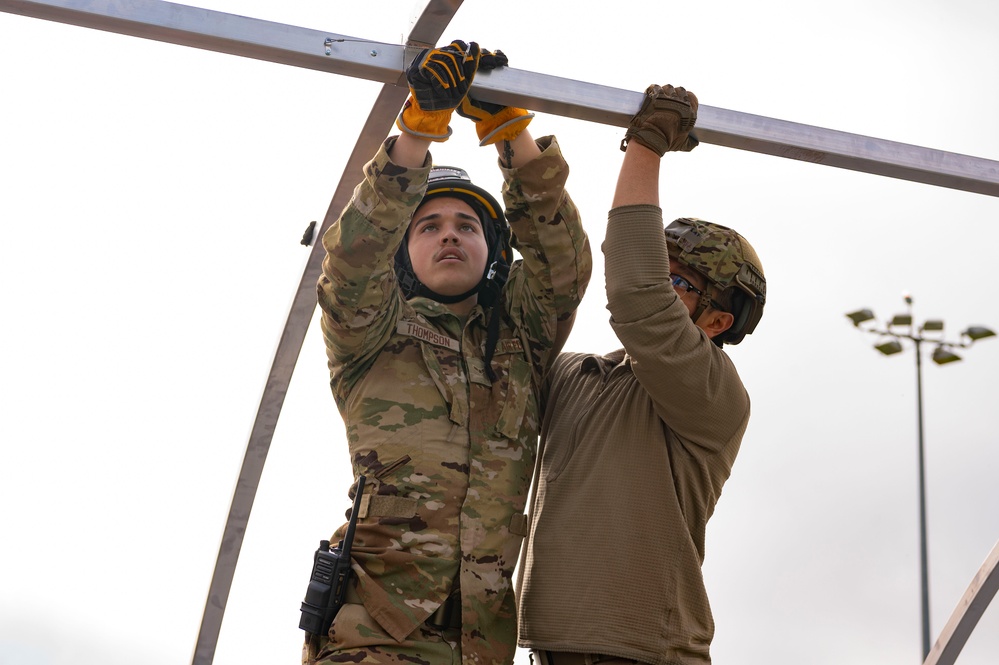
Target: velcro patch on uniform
(477,371)
(510,345)
(518,524)
(429,335)
(374,505)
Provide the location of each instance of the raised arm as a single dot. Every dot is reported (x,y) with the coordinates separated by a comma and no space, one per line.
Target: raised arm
(356,290)
(545,222)
(693,383)
(662,125)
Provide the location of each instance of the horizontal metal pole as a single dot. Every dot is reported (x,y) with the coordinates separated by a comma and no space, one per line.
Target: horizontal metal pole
(225,33)
(745,131)
(385,63)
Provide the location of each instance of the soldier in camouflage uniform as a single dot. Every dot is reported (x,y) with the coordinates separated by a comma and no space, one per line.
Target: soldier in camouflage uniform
(437,349)
(637,444)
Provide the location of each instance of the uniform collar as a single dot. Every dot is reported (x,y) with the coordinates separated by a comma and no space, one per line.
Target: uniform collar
(604,364)
(432,309)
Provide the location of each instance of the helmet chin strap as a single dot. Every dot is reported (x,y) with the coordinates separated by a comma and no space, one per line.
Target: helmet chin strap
(490,274)
(703,303)
(427,292)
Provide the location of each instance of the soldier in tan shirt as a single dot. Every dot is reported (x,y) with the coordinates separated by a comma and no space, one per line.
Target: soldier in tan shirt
(636,445)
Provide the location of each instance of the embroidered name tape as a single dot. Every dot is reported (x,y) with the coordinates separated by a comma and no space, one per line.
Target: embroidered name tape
(411,329)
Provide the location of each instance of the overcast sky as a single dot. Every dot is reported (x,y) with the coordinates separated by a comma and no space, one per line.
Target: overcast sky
(151,204)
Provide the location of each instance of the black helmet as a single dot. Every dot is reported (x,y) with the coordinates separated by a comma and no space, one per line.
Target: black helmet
(453,182)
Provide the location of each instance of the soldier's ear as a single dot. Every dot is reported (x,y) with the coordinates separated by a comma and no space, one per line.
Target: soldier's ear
(714,322)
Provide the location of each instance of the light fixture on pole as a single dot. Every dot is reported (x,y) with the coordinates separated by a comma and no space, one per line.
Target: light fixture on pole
(891,344)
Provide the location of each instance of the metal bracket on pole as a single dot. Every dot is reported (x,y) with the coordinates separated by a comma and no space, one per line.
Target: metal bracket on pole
(384,63)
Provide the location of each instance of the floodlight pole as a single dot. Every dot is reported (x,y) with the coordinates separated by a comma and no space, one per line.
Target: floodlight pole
(924,575)
(941,356)
(924,582)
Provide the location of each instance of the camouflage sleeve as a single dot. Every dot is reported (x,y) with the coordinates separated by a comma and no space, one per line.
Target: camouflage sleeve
(357,290)
(549,282)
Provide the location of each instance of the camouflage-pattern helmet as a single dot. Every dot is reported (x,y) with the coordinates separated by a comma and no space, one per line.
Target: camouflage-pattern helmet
(453,182)
(729,263)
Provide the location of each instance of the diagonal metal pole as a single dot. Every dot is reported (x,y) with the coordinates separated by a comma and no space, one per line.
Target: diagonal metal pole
(426,30)
(982,589)
(350,56)
(303,305)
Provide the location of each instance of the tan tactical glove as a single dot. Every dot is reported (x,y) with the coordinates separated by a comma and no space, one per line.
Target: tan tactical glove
(664,122)
(438,80)
(494,123)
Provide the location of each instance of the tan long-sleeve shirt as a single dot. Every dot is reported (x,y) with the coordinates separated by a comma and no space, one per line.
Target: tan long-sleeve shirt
(636,447)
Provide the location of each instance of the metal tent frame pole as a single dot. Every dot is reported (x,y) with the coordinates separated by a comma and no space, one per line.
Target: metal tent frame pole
(384,63)
(303,306)
(426,31)
(969,611)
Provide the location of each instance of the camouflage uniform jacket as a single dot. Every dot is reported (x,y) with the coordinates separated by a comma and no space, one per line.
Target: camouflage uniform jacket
(448,454)
(635,448)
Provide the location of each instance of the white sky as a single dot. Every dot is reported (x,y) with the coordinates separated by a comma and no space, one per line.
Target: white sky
(152,198)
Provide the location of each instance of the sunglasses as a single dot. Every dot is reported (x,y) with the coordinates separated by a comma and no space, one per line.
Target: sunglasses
(682,285)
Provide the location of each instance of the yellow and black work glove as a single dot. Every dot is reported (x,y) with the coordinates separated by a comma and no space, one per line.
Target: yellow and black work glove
(664,122)
(493,122)
(438,80)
